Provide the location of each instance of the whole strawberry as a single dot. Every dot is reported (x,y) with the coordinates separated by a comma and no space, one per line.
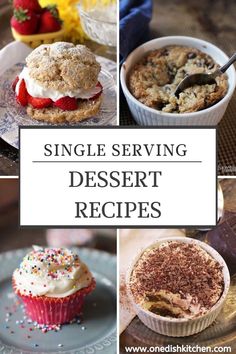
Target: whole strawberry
(32,5)
(49,20)
(24,21)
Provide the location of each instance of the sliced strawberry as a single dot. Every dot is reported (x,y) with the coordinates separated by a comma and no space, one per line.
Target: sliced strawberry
(38,102)
(22,96)
(67,103)
(99,85)
(15,83)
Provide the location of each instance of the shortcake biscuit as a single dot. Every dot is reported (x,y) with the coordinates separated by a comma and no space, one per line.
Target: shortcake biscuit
(63,66)
(55,115)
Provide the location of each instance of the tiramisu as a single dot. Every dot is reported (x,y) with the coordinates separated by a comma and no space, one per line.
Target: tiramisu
(60,83)
(177,280)
(153,80)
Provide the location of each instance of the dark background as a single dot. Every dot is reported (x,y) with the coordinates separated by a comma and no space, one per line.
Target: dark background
(13,237)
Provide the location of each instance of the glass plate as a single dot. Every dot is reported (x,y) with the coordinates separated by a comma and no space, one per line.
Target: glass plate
(12,115)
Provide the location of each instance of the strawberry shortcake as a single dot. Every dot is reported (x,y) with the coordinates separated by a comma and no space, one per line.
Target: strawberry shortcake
(60,83)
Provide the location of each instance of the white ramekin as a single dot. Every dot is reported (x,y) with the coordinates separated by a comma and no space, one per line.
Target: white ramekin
(148,116)
(175,327)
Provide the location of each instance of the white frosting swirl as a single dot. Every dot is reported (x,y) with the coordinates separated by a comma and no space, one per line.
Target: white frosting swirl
(36,90)
(54,272)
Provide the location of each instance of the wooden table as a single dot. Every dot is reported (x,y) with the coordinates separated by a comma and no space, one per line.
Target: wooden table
(213,21)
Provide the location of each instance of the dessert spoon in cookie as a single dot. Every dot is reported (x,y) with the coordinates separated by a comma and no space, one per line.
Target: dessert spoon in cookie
(203,78)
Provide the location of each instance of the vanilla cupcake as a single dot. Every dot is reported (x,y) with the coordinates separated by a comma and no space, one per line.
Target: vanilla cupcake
(60,83)
(52,283)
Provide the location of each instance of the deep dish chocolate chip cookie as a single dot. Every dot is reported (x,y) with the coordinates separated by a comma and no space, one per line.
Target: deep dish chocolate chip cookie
(153,80)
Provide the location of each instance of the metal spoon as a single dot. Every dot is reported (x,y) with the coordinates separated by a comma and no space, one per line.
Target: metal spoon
(203,79)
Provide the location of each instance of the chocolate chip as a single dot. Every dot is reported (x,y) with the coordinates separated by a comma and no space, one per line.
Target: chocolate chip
(164,52)
(192,55)
(167,89)
(160,106)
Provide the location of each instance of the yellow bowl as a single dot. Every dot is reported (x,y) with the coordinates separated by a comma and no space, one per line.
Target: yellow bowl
(34,40)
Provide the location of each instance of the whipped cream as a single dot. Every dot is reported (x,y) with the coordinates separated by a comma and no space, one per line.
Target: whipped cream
(53,272)
(36,90)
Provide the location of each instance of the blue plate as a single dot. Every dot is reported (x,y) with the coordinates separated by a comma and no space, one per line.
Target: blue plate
(97,331)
